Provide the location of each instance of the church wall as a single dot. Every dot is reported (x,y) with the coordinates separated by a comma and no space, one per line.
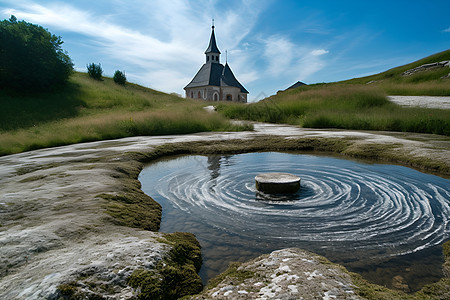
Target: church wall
(232,92)
(214,93)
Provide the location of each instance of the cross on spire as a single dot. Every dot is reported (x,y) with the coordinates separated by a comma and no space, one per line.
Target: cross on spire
(212,23)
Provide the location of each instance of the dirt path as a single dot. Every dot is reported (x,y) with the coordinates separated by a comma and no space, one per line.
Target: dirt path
(53,225)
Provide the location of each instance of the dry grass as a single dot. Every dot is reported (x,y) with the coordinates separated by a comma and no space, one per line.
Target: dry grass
(99,110)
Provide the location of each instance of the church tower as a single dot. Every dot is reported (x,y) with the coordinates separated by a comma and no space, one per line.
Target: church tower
(214,81)
(212,53)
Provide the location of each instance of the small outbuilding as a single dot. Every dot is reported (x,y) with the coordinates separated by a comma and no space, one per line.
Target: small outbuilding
(214,81)
(295,85)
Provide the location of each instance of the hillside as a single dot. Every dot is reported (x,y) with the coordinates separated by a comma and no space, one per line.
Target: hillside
(359,103)
(91,110)
(428,81)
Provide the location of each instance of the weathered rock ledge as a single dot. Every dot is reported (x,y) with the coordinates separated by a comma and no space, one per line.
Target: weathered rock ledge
(285,274)
(430,66)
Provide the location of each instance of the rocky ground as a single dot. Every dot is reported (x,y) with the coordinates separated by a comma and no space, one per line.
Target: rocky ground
(422,101)
(55,229)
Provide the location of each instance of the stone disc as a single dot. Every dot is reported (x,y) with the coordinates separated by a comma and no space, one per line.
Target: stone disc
(277,183)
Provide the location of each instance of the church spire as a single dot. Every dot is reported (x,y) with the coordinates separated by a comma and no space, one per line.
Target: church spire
(212,53)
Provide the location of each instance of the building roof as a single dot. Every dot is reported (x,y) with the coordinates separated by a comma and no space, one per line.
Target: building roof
(212,44)
(216,75)
(296,85)
(229,79)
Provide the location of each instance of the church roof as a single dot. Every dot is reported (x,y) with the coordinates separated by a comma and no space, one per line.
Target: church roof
(216,75)
(229,79)
(212,44)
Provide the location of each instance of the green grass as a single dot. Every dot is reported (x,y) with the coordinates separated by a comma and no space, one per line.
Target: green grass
(344,106)
(355,104)
(91,110)
(423,83)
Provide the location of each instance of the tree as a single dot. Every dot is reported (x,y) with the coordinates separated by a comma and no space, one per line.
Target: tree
(95,71)
(119,77)
(31,58)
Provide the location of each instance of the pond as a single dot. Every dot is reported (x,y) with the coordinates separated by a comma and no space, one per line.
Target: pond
(382,221)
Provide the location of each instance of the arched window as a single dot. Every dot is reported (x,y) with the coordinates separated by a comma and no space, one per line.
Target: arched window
(216,97)
(199,95)
(192,94)
(229,97)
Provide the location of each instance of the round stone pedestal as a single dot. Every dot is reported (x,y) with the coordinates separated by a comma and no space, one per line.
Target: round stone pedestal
(277,183)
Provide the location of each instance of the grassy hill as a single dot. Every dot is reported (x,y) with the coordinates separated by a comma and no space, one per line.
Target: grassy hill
(359,103)
(91,110)
(428,82)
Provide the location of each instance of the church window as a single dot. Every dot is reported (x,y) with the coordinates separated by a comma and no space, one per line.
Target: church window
(192,94)
(199,95)
(207,58)
(216,97)
(229,97)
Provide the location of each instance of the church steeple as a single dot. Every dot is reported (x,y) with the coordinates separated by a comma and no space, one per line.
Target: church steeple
(212,53)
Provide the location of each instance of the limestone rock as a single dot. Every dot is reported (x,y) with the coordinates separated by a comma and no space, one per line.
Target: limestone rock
(445,63)
(285,274)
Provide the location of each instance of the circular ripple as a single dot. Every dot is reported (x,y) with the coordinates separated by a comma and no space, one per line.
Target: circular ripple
(340,202)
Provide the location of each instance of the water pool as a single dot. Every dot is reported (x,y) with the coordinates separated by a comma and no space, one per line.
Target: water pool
(379,220)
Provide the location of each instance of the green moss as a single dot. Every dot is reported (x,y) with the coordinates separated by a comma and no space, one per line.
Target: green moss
(67,290)
(186,249)
(446,250)
(371,291)
(134,210)
(438,290)
(231,273)
(177,275)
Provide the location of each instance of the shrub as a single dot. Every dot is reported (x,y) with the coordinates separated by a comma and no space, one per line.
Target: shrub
(119,77)
(95,71)
(31,58)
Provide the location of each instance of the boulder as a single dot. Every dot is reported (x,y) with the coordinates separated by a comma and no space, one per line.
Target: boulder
(284,274)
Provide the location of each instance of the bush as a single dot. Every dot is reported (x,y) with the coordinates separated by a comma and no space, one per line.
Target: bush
(119,77)
(31,58)
(95,71)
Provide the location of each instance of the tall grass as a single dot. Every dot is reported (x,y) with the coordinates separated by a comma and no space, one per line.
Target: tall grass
(90,110)
(341,106)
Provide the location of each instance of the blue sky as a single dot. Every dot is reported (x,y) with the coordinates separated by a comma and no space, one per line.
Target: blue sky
(271,44)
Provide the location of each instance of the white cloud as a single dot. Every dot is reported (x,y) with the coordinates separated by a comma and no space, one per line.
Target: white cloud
(278,53)
(319,52)
(161,43)
(446,30)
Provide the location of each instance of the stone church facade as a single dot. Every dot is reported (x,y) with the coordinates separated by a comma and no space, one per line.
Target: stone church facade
(214,81)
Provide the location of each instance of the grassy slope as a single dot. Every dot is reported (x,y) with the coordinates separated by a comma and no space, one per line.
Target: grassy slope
(89,110)
(354,104)
(424,83)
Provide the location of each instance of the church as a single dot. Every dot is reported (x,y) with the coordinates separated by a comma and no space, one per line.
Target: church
(214,81)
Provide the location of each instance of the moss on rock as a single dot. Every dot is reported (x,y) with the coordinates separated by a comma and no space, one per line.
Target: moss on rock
(174,277)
